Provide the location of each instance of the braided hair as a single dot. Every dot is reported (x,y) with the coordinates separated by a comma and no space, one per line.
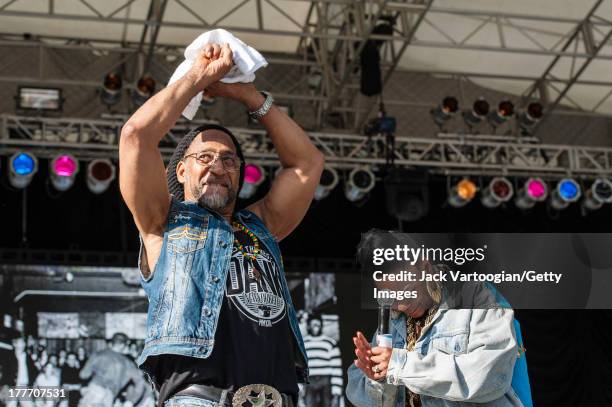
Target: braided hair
(174,186)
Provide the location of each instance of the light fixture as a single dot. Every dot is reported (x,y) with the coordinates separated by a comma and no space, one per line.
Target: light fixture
(144,90)
(566,192)
(360,182)
(505,110)
(499,190)
(100,173)
(407,194)
(599,194)
(111,89)
(462,193)
(534,190)
(329,180)
(443,112)
(530,116)
(39,99)
(479,112)
(254,175)
(63,169)
(21,169)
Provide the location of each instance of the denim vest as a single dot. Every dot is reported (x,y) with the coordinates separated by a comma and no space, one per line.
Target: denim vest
(187,286)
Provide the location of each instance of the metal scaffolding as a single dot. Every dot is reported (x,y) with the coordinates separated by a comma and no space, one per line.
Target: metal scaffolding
(330,38)
(447,153)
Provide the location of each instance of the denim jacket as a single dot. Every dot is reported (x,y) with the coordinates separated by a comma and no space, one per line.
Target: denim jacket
(463,357)
(186,289)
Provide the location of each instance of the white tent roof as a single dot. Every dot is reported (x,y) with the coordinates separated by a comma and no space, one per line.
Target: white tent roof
(457,36)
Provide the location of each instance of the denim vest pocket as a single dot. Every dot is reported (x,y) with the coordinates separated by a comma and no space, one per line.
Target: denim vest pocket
(453,344)
(187,232)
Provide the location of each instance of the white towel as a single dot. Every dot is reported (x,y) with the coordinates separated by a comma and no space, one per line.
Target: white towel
(246,61)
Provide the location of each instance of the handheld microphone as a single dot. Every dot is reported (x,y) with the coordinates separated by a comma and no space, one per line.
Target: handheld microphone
(383,337)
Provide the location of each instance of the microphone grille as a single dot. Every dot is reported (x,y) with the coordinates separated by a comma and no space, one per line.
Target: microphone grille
(385,302)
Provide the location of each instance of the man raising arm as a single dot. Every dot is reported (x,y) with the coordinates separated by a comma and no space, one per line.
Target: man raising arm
(220,314)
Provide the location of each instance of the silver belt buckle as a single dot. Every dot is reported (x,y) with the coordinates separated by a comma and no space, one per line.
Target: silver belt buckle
(258,395)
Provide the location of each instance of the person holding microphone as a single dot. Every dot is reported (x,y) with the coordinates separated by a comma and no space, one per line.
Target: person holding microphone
(440,352)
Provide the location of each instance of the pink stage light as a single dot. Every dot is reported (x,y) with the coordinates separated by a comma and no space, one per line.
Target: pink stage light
(64,166)
(252,174)
(536,189)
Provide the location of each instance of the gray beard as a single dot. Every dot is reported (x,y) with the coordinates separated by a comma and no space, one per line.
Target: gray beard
(215,200)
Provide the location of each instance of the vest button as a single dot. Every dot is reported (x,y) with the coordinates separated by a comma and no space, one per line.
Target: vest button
(215,279)
(222,244)
(207,312)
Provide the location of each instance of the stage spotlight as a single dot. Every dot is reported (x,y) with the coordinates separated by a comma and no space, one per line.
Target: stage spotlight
(21,169)
(63,169)
(329,180)
(445,110)
(407,194)
(499,190)
(111,90)
(505,110)
(144,90)
(534,190)
(254,175)
(600,193)
(479,112)
(360,182)
(100,173)
(462,193)
(530,116)
(566,192)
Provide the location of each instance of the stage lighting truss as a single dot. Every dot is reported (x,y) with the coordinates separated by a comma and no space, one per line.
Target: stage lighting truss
(63,169)
(498,191)
(100,174)
(360,182)
(566,192)
(533,190)
(443,112)
(329,180)
(599,194)
(21,169)
(88,139)
(254,175)
(462,193)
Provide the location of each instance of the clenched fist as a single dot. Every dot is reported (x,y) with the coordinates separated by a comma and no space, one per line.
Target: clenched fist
(213,62)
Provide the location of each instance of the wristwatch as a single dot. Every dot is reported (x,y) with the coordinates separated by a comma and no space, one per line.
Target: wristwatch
(265,108)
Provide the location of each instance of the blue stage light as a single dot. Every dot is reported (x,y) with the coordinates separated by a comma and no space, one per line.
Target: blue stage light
(23,164)
(569,190)
(21,169)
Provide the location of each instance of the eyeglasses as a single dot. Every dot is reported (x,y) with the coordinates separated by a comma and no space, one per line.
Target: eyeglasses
(229,161)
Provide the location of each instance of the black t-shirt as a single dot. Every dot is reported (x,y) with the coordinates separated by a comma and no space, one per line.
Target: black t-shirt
(253,340)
